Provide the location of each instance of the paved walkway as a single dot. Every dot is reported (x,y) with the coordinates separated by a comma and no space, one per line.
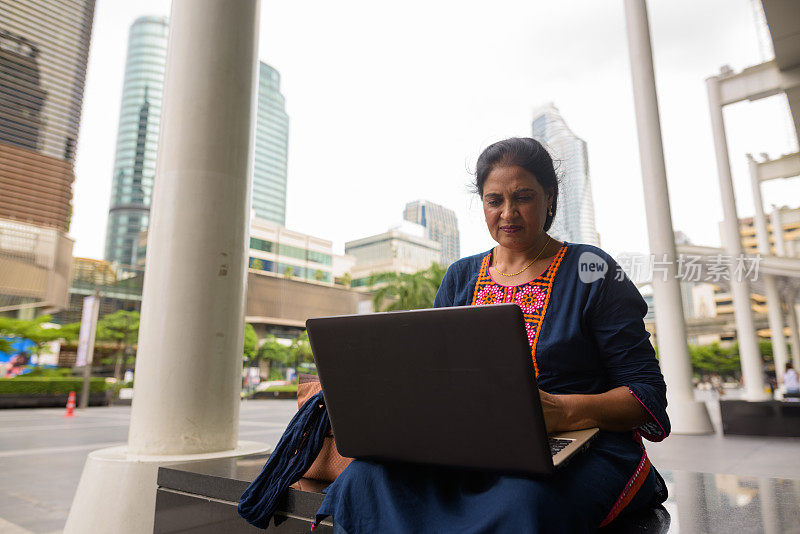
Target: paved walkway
(739,455)
(42,455)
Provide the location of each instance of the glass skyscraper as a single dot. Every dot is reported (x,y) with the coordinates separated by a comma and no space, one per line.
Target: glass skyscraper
(137,143)
(44,49)
(271,148)
(137,138)
(574,219)
(440,225)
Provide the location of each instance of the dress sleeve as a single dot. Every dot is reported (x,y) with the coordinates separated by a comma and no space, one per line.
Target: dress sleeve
(616,320)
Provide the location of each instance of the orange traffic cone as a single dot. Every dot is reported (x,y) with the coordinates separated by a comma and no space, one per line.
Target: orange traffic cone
(70,405)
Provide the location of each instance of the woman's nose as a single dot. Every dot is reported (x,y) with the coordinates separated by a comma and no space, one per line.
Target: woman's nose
(509,210)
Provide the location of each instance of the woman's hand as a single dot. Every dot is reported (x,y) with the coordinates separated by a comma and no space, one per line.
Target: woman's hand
(615,410)
(555,411)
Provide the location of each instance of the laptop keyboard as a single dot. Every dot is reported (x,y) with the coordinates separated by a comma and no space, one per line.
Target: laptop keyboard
(558,444)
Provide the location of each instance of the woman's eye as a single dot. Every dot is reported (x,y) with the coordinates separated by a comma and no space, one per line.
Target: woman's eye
(493,203)
(524,198)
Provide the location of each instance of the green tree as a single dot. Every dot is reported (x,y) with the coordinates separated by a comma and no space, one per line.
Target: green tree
(288,272)
(319,276)
(250,349)
(272,353)
(346,280)
(765,348)
(401,291)
(713,358)
(35,331)
(300,350)
(122,328)
(257,264)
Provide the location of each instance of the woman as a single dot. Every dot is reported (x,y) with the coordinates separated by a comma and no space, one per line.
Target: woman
(791,381)
(593,359)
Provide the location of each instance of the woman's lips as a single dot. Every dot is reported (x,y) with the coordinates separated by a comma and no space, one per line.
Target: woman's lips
(510,229)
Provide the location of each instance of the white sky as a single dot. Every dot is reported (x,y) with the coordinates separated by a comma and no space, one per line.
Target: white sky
(390,102)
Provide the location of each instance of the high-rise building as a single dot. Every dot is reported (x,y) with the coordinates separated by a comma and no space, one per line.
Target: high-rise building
(440,225)
(789,219)
(137,143)
(44,48)
(137,138)
(402,249)
(271,148)
(574,219)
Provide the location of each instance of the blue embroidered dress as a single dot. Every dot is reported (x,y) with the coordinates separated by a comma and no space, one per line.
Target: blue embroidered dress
(587,336)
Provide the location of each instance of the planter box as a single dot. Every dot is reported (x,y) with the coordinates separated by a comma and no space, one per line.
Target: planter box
(274,395)
(766,418)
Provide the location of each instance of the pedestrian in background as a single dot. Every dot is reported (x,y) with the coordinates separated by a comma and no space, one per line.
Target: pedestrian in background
(791,382)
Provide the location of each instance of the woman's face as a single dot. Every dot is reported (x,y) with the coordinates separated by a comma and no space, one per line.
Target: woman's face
(515,206)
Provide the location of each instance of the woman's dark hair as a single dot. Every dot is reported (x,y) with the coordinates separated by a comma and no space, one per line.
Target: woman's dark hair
(524,152)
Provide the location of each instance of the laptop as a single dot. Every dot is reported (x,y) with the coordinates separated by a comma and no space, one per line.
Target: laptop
(452,387)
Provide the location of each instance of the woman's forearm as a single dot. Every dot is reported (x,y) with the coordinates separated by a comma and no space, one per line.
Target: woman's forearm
(615,410)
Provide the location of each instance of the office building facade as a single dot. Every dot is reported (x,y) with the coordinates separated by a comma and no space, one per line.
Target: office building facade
(280,251)
(441,225)
(44,49)
(401,249)
(574,220)
(137,139)
(789,220)
(271,148)
(35,266)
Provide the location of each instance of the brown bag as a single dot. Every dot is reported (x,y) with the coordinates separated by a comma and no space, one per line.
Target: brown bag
(329,463)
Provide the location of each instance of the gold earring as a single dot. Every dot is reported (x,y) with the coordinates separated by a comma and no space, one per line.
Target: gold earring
(550,211)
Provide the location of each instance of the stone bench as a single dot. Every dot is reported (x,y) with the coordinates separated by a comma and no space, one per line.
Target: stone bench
(201,498)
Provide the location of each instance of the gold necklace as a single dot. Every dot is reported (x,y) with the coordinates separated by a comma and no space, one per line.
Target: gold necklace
(498,271)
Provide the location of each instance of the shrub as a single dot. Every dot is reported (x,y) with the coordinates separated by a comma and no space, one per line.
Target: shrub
(275,374)
(48,372)
(48,385)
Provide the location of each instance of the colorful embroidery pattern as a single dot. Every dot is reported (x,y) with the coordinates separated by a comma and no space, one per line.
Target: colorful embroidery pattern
(532,297)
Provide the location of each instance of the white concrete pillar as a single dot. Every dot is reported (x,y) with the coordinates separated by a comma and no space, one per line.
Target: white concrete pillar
(774,307)
(752,365)
(794,331)
(191,333)
(777,232)
(188,366)
(760,217)
(686,415)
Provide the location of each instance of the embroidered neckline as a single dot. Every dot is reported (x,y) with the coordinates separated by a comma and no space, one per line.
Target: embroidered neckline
(532,297)
(544,273)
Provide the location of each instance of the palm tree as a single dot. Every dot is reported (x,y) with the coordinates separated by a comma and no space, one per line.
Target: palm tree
(402,291)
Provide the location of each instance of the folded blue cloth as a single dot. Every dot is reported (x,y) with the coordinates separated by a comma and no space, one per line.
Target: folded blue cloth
(296,451)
